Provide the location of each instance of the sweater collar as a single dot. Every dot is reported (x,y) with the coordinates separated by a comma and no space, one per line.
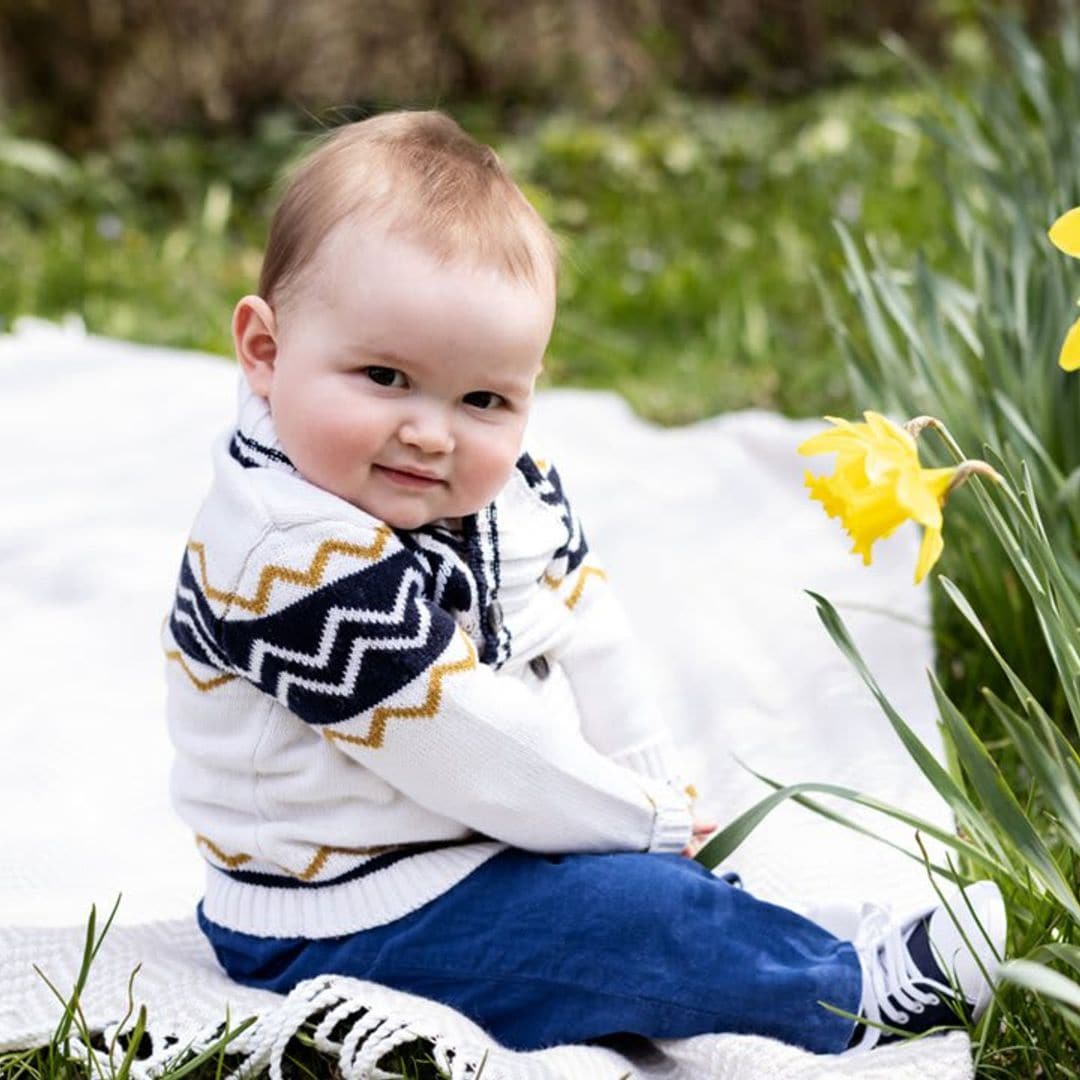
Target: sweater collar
(254,442)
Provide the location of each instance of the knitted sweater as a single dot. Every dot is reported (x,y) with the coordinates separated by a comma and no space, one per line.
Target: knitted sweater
(363,715)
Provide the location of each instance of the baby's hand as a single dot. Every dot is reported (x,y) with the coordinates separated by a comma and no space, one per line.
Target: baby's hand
(702,831)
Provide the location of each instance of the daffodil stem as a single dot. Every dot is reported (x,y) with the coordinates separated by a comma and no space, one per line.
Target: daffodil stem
(973,468)
(917,426)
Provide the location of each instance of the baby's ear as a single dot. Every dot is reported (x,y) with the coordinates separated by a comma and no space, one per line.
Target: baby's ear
(255,340)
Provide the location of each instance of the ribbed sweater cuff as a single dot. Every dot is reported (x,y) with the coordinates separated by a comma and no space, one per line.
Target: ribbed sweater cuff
(672,825)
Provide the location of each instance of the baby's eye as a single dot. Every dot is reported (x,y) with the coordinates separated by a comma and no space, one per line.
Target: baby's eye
(484,399)
(386,376)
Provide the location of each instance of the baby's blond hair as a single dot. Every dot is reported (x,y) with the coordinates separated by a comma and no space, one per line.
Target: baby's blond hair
(420,176)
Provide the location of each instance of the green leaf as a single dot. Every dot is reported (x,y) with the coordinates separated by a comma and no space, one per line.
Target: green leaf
(733,835)
(1028,436)
(931,768)
(1052,762)
(865,294)
(1001,804)
(1068,954)
(39,159)
(1063,991)
(217,1049)
(136,1037)
(960,601)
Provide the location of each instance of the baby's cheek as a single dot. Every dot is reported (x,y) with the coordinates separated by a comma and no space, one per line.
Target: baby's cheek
(495,463)
(323,448)
(342,431)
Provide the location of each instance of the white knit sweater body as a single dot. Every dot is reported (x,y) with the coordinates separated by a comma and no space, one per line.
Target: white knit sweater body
(363,715)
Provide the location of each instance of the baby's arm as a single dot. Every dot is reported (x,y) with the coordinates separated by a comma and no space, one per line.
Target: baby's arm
(389,678)
(607,667)
(610,676)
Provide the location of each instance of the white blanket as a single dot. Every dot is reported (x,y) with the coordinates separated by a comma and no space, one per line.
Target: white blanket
(98,489)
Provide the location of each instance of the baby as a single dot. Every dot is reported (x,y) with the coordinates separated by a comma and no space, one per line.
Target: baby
(413,739)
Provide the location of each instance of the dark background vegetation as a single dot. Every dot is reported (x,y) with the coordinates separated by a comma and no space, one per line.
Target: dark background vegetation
(86,72)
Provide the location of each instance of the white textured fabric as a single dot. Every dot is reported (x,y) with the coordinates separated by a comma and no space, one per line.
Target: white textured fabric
(98,490)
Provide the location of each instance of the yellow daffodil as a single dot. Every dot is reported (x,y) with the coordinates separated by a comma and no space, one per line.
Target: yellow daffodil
(1065,236)
(878,484)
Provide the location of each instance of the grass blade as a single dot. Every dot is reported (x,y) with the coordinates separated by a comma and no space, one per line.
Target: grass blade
(1063,992)
(732,836)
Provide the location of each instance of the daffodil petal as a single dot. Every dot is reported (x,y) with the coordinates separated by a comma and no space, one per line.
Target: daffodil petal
(1069,357)
(1065,232)
(920,492)
(929,551)
(938,480)
(886,431)
(845,434)
(884,463)
(891,450)
(825,442)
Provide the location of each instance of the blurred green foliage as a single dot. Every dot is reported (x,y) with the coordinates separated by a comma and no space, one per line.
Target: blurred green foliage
(691,236)
(693,239)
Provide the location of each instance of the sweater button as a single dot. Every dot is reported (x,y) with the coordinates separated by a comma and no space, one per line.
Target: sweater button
(540,667)
(493,618)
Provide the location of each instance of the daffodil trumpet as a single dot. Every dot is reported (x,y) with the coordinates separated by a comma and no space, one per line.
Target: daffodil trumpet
(879,483)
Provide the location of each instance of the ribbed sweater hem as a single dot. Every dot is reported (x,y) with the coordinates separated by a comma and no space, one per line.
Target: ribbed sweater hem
(334,910)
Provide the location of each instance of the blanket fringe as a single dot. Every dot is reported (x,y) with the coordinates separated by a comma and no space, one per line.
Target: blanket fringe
(346,1029)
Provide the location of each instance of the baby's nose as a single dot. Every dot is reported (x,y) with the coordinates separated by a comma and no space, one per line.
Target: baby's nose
(428,430)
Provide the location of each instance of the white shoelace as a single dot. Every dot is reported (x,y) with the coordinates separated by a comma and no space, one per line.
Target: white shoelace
(890,994)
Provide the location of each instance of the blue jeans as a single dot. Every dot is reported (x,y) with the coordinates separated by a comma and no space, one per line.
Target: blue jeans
(542,950)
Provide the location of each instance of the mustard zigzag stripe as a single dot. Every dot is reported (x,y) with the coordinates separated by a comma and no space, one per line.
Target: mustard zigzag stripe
(203,685)
(311,577)
(324,853)
(579,587)
(429,707)
(231,861)
(312,868)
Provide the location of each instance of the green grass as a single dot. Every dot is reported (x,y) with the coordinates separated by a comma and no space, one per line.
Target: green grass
(66,1056)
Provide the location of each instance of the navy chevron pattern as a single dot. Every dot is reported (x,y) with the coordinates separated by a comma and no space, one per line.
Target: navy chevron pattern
(550,490)
(254,455)
(192,622)
(345,647)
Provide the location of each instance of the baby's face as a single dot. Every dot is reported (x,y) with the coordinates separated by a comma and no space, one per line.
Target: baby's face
(403,385)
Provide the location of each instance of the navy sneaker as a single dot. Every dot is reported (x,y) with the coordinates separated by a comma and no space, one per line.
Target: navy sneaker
(923,975)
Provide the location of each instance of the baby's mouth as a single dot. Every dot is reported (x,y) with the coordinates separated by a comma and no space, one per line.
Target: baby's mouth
(409,478)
